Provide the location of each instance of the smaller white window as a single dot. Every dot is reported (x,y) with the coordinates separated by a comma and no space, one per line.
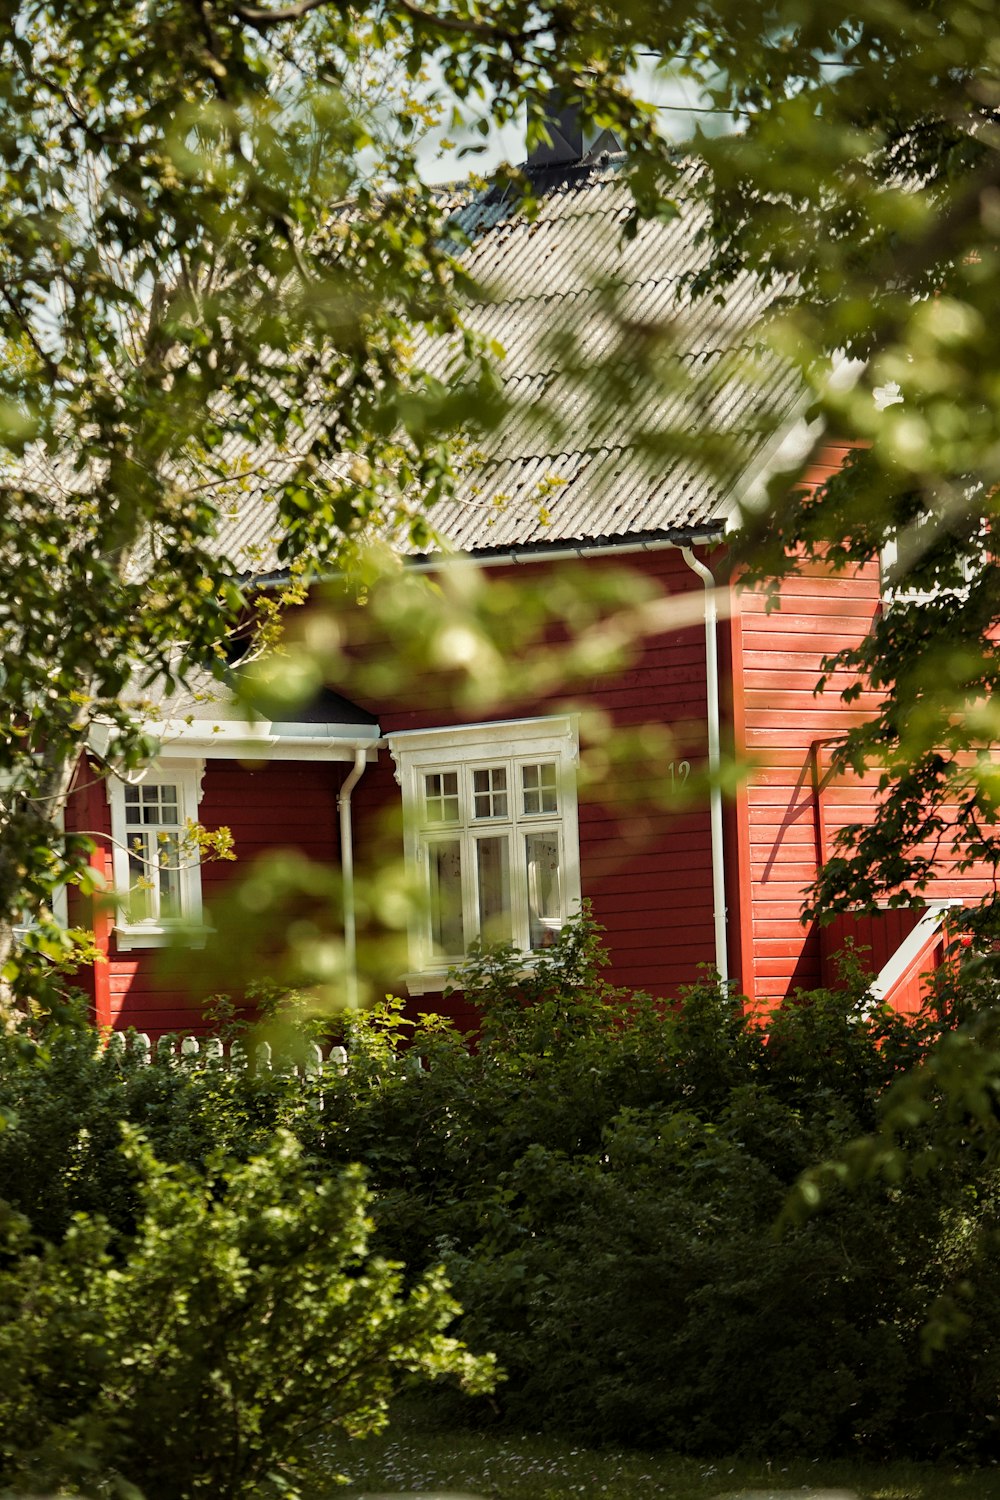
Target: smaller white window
(156,863)
(490,829)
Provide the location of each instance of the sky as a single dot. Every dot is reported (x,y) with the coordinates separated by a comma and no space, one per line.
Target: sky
(680,109)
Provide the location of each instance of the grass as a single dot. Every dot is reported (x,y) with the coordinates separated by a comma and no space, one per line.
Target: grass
(416,1455)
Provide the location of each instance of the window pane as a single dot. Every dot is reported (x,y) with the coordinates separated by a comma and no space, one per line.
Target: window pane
(154,876)
(490,792)
(493,870)
(441,796)
(168,853)
(444,861)
(151,805)
(141,880)
(545,914)
(538,786)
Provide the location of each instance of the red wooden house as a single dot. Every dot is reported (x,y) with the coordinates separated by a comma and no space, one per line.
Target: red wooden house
(497,833)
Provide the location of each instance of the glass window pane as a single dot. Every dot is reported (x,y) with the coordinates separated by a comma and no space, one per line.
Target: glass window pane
(539,789)
(493,871)
(154,805)
(168,853)
(141,880)
(441,796)
(545,912)
(444,860)
(489,787)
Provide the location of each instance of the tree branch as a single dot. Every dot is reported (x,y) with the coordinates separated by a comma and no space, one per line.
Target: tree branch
(262,19)
(487,29)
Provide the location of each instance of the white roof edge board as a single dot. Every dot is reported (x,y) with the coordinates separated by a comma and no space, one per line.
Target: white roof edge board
(262,740)
(909,949)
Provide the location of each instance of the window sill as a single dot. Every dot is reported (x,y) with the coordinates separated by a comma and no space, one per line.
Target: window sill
(185,935)
(427,982)
(435,981)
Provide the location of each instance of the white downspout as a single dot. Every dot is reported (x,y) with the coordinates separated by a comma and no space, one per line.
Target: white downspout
(714,760)
(347,874)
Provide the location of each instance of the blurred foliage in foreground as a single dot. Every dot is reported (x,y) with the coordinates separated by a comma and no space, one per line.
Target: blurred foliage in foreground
(602,1182)
(201,1353)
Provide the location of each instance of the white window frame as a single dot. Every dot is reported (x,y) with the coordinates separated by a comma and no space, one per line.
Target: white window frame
(463,750)
(893,593)
(157,930)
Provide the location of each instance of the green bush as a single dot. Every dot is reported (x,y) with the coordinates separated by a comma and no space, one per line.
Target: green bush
(601,1177)
(206,1354)
(64,1097)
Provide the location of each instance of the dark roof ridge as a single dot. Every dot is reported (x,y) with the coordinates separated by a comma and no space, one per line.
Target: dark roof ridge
(559,177)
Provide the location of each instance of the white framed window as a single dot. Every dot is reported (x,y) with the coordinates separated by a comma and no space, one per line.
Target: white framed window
(491,832)
(895,588)
(157,870)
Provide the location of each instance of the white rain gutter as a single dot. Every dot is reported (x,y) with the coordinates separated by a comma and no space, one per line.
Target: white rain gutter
(508,555)
(243,739)
(714,761)
(525,554)
(347,873)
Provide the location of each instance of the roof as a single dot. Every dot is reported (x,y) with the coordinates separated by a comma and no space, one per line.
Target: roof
(610,457)
(579,460)
(204,718)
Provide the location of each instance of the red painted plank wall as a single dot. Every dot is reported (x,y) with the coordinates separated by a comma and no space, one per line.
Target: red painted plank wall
(646,869)
(779,720)
(786,828)
(286,804)
(87,813)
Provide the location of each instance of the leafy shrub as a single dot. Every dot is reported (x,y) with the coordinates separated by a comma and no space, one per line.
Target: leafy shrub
(64,1098)
(203,1356)
(601,1177)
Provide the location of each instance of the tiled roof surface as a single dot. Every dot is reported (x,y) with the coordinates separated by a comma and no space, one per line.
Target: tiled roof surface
(576,460)
(616,456)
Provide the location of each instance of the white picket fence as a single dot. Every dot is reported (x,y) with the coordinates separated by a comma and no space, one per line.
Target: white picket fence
(210,1052)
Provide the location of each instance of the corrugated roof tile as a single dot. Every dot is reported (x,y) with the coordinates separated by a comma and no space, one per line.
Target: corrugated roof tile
(563,467)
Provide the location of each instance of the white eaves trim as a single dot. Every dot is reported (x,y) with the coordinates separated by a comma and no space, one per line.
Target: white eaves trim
(552,732)
(235,739)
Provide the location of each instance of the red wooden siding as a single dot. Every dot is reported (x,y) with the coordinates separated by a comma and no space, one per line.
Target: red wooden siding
(778,722)
(286,804)
(793,806)
(87,813)
(645,868)
(875,937)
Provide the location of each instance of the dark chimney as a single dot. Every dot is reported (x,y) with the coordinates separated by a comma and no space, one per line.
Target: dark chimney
(566,130)
(571,145)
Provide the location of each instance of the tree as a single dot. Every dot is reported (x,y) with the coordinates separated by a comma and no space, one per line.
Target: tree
(216,245)
(211,1351)
(864,187)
